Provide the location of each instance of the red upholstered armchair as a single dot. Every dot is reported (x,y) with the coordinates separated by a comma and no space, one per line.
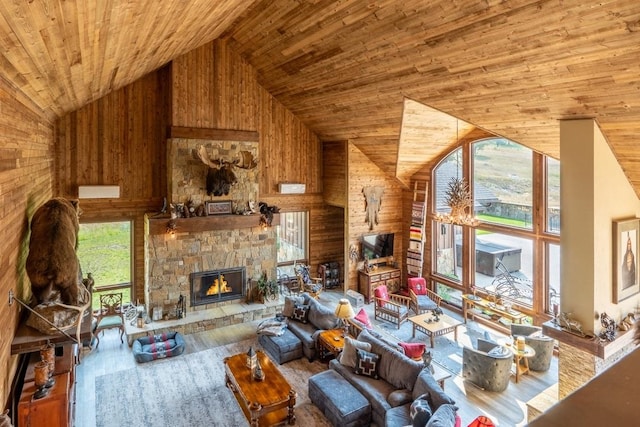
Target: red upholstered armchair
(422,299)
(391,307)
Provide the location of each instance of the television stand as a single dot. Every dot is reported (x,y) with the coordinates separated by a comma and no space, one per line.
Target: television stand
(382,273)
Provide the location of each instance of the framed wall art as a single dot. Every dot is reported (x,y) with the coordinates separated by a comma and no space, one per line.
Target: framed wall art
(219,207)
(626,244)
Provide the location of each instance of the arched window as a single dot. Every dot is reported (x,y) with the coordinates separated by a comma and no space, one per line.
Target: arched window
(513,249)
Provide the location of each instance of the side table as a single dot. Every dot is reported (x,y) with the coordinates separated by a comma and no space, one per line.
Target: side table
(521,359)
(330,342)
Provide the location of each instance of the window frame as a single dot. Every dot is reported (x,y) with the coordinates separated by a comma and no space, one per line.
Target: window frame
(539,235)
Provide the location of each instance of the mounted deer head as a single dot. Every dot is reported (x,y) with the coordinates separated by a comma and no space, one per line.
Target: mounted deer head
(220,176)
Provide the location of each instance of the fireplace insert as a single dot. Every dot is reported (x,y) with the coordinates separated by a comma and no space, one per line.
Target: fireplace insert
(213,286)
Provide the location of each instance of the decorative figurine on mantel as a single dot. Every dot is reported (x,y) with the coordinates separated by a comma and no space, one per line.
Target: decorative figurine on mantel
(570,325)
(610,328)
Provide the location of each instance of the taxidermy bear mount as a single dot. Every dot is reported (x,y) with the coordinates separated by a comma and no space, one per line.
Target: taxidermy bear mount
(220,176)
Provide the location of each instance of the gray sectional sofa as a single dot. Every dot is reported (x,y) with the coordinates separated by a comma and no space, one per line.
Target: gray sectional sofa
(318,318)
(387,399)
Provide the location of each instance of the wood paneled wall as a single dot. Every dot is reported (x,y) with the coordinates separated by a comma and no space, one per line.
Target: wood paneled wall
(215,88)
(26,168)
(119,139)
(362,172)
(334,179)
(212,87)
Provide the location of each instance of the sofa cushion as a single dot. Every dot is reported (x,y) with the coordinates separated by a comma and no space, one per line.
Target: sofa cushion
(418,285)
(363,318)
(290,303)
(301,313)
(383,295)
(395,368)
(399,397)
(444,416)
(348,355)
(426,384)
(420,411)
(367,363)
(376,391)
(321,317)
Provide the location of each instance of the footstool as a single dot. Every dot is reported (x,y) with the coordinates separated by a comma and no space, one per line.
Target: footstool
(339,401)
(282,348)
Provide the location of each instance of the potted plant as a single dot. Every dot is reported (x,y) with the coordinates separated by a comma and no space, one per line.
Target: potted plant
(266,289)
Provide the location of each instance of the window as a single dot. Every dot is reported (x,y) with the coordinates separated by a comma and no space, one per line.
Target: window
(553,195)
(104,250)
(514,249)
(292,235)
(504,265)
(503,195)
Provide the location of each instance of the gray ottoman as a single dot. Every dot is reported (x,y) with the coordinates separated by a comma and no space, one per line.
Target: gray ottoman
(282,348)
(339,401)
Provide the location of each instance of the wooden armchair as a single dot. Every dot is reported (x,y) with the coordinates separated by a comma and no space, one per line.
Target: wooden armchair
(422,299)
(390,307)
(306,282)
(109,315)
(289,283)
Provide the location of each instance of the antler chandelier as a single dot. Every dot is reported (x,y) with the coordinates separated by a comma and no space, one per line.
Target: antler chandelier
(459,200)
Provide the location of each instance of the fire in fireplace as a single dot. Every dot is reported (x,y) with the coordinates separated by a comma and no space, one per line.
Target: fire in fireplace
(213,286)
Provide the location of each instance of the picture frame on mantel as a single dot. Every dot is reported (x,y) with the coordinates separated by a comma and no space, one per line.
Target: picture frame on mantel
(222,207)
(626,246)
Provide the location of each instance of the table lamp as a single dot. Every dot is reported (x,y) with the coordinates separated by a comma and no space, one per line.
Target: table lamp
(344,311)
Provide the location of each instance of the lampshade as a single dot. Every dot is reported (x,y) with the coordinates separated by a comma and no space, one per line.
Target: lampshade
(344,309)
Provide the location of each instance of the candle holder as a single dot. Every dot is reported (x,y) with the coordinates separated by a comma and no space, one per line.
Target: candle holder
(48,356)
(41,372)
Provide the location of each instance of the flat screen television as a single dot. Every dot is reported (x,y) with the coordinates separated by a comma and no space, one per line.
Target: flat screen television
(377,245)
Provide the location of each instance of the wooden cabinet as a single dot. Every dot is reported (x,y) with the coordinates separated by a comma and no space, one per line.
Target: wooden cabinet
(384,275)
(57,408)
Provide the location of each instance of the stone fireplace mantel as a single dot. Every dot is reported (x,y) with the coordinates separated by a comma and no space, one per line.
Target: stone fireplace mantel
(207,223)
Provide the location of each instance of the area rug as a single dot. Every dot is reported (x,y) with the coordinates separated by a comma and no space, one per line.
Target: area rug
(189,390)
(447,352)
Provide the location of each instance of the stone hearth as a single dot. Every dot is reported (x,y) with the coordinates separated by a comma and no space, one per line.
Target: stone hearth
(204,320)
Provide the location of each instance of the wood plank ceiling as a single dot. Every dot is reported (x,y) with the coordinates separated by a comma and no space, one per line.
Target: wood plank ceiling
(346,67)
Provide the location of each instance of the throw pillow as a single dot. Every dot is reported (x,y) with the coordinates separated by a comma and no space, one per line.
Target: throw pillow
(382,295)
(420,411)
(444,416)
(367,363)
(363,318)
(290,305)
(348,355)
(414,350)
(300,313)
(498,351)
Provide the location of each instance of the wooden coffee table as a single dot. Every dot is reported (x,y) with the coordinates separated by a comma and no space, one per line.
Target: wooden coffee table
(266,402)
(445,325)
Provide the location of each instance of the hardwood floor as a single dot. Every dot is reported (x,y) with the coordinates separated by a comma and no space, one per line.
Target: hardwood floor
(505,409)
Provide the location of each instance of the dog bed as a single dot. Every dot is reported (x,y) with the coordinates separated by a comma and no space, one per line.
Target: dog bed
(152,347)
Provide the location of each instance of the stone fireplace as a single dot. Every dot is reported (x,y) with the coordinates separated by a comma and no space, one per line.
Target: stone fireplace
(202,249)
(218,285)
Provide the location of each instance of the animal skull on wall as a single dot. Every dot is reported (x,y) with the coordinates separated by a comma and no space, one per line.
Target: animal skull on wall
(220,176)
(373,201)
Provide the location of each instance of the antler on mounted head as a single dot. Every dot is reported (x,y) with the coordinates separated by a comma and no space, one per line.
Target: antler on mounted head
(202,154)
